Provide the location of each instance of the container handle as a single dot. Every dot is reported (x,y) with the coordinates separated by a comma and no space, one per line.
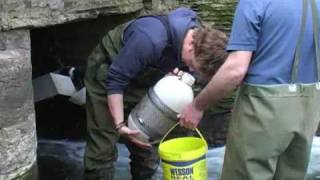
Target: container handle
(174,126)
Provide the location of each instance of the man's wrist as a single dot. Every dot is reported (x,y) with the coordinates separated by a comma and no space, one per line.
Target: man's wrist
(120,125)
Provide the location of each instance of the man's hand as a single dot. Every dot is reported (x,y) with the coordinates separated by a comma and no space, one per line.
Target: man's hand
(126,132)
(175,72)
(190,116)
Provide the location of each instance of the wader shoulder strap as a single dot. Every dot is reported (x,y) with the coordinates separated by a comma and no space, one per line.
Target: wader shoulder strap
(297,54)
(113,40)
(315,20)
(162,18)
(165,22)
(315,23)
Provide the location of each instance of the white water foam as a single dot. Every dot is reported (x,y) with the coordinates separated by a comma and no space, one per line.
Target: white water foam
(73,153)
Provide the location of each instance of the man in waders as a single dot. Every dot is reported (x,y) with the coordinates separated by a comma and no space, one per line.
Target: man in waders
(274,57)
(129,60)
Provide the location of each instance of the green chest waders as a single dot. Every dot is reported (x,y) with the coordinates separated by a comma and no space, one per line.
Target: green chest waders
(101,152)
(272,126)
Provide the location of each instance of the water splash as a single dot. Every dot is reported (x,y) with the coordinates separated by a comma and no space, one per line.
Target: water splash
(64,159)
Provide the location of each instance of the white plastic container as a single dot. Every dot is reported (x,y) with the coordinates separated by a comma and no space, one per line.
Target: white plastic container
(157,112)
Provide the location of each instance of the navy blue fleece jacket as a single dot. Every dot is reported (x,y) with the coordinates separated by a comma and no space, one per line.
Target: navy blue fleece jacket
(144,42)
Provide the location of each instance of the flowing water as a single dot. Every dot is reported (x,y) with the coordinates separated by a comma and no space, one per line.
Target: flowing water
(63,160)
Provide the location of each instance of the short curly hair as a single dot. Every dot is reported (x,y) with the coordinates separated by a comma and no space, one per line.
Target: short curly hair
(209,49)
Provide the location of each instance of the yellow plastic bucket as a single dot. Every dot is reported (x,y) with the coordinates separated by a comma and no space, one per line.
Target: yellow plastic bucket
(184,158)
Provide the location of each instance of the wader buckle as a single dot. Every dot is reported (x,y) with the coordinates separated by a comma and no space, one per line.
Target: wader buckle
(318,85)
(293,88)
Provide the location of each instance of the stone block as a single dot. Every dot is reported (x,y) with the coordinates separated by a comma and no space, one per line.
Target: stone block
(216,13)
(41,13)
(17,116)
(79,97)
(50,85)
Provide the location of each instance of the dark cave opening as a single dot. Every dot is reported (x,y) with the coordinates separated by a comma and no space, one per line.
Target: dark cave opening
(56,48)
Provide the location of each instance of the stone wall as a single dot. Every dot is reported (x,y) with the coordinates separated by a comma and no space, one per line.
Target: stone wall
(17,117)
(40,13)
(216,13)
(17,125)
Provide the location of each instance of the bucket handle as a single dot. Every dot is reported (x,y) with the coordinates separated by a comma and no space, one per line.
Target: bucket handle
(174,126)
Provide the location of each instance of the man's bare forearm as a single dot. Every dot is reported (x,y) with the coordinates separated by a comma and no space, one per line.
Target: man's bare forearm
(228,77)
(115,103)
